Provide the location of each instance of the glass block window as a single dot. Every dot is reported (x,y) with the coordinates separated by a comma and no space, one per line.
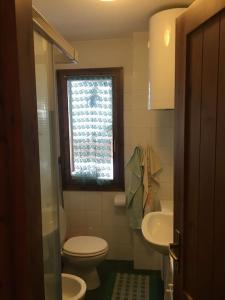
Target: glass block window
(90,105)
(90,110)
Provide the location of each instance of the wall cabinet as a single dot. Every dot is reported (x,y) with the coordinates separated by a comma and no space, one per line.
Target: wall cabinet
(162,58)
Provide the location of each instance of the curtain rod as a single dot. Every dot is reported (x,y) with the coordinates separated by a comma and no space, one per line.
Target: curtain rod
(42,26)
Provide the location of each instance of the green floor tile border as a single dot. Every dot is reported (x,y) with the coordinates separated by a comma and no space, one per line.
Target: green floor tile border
(155,287)
(108,288)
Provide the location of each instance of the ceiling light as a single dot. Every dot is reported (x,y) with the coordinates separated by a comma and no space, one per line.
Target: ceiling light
(107,0)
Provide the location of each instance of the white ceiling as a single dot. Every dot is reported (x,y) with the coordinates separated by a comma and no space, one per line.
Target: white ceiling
(94,19)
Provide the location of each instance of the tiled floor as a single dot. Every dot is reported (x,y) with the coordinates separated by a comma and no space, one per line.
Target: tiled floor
(108,267)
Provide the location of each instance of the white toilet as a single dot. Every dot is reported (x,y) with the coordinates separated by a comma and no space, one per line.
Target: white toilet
(83,253)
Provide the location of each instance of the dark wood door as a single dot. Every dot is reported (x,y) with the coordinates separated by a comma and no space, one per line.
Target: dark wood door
(200,153)
(21,262)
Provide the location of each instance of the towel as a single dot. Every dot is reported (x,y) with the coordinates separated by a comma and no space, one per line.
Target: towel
(134,189)
(151,166)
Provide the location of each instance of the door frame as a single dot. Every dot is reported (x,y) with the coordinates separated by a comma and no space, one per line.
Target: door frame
(21,259)
(197,14)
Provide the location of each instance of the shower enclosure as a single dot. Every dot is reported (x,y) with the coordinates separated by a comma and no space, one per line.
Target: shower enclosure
(44,70)
(45,40)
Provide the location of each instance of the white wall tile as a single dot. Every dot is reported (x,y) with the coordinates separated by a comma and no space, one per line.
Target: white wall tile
(128,151)
(140,100)
(144,256)
(166,191)
(115,217)
(137,135)
(94,212)
(161,136)
(107,201)
(97,209)
(167,205)
(124,252)
(93,218)
(140,81)
(95,231)
(140,117)
(112,254)
(76,218)
(118,234)
(162,118)
(128,117)
(93,201)
(73,201)
(165,175)
(76,231)
(127,100)
(165,153)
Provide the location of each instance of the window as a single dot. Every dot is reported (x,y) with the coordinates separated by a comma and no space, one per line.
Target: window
(91,128)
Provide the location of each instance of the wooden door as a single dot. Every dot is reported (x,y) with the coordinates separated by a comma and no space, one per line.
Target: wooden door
(200,153)
(21,263)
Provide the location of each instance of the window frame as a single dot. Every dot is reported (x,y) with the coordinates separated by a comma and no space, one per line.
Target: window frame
(68,182)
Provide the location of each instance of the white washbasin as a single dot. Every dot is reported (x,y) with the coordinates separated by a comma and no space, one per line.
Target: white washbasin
(157,229)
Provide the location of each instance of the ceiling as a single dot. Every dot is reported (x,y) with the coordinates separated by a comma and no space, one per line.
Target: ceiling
(94,19)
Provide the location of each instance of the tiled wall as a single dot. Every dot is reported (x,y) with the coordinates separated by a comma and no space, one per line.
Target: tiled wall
(94,212)
(143,127)
(45,108)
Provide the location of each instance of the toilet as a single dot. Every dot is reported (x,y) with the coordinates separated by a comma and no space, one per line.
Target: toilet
(83,253)
(73,287)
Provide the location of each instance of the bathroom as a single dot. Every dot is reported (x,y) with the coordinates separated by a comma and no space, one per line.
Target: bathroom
(99,211)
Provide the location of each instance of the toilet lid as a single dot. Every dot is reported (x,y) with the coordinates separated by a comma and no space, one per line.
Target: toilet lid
(85,245)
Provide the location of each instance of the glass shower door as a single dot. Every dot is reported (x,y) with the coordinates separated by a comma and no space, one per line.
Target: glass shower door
(47,152)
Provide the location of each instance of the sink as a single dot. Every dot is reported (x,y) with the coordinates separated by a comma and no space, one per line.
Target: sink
(157,229)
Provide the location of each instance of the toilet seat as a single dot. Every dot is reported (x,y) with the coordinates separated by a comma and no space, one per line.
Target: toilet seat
(84,255)
(85,246)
